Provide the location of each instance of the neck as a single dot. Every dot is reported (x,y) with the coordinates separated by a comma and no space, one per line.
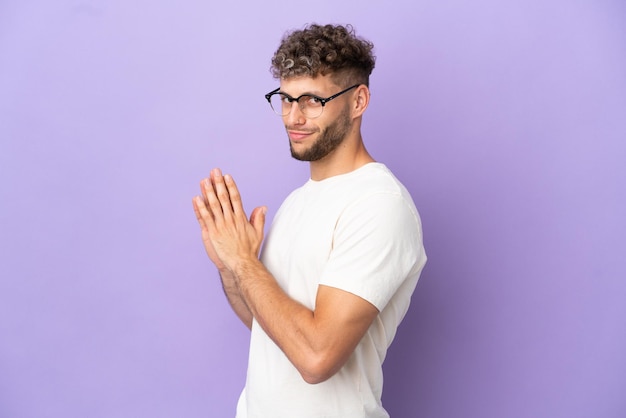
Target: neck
(349,156)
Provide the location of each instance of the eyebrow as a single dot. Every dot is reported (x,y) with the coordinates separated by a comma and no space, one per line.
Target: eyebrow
(305,93)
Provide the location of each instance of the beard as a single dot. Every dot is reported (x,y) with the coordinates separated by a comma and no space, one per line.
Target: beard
(329,139)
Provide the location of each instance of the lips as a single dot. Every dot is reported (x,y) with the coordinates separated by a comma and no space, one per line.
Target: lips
(298,136)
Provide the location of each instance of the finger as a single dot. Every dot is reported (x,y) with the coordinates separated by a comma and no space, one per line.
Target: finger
(196,210)
(221,192)
(213,202)
(235,197)
(205,219)
(203,184)
(208,193)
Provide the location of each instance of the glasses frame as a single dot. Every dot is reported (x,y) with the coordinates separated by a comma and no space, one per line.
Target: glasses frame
(290,99)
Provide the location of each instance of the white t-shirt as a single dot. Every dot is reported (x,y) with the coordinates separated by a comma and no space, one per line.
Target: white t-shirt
(359,232)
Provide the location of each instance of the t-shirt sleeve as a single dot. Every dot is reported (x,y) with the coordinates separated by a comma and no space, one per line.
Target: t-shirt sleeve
(377,244)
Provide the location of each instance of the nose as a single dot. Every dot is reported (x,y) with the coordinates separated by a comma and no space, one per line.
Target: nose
(295,115)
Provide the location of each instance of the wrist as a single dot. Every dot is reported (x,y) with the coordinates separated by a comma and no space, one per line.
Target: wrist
(224,272)
(245,269)
(227,277)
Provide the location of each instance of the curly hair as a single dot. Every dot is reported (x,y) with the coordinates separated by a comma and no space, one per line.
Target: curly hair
(321,50)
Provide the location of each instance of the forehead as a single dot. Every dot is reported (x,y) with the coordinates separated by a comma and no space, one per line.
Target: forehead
(320,85)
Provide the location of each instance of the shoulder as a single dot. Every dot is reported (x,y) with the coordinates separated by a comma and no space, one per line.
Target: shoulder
(375,198)
(377,187)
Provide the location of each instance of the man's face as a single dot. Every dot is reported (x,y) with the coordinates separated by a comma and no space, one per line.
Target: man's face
(314,139)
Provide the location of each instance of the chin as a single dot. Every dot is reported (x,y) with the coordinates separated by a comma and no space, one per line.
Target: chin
(300,156)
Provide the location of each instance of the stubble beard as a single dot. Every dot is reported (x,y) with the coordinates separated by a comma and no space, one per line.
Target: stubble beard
(329,139)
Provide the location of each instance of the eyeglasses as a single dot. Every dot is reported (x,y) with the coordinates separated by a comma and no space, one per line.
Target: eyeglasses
(310,105)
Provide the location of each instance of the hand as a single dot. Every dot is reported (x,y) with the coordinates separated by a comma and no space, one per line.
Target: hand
(228,236)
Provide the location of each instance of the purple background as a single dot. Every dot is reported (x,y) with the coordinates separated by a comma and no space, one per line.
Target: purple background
(505,119)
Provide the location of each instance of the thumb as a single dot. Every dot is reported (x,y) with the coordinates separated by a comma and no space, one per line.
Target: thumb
(257,219)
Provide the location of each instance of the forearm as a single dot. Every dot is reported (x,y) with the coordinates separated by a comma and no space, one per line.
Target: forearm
(291,325)
(234,298)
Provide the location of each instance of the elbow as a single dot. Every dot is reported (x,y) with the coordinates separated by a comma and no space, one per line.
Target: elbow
(313,378)
(318,370)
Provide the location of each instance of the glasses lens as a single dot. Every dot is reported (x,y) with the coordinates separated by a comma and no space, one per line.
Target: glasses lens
(280,105)
(311,106)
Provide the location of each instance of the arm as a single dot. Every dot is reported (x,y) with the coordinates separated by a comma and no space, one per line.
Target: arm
(317,342)
(234,298)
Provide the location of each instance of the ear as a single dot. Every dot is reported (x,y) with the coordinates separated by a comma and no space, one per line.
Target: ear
(361,100)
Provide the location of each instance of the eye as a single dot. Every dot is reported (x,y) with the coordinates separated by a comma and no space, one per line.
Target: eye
(313,101)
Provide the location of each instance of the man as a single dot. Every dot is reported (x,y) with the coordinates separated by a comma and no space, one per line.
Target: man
(343,254)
